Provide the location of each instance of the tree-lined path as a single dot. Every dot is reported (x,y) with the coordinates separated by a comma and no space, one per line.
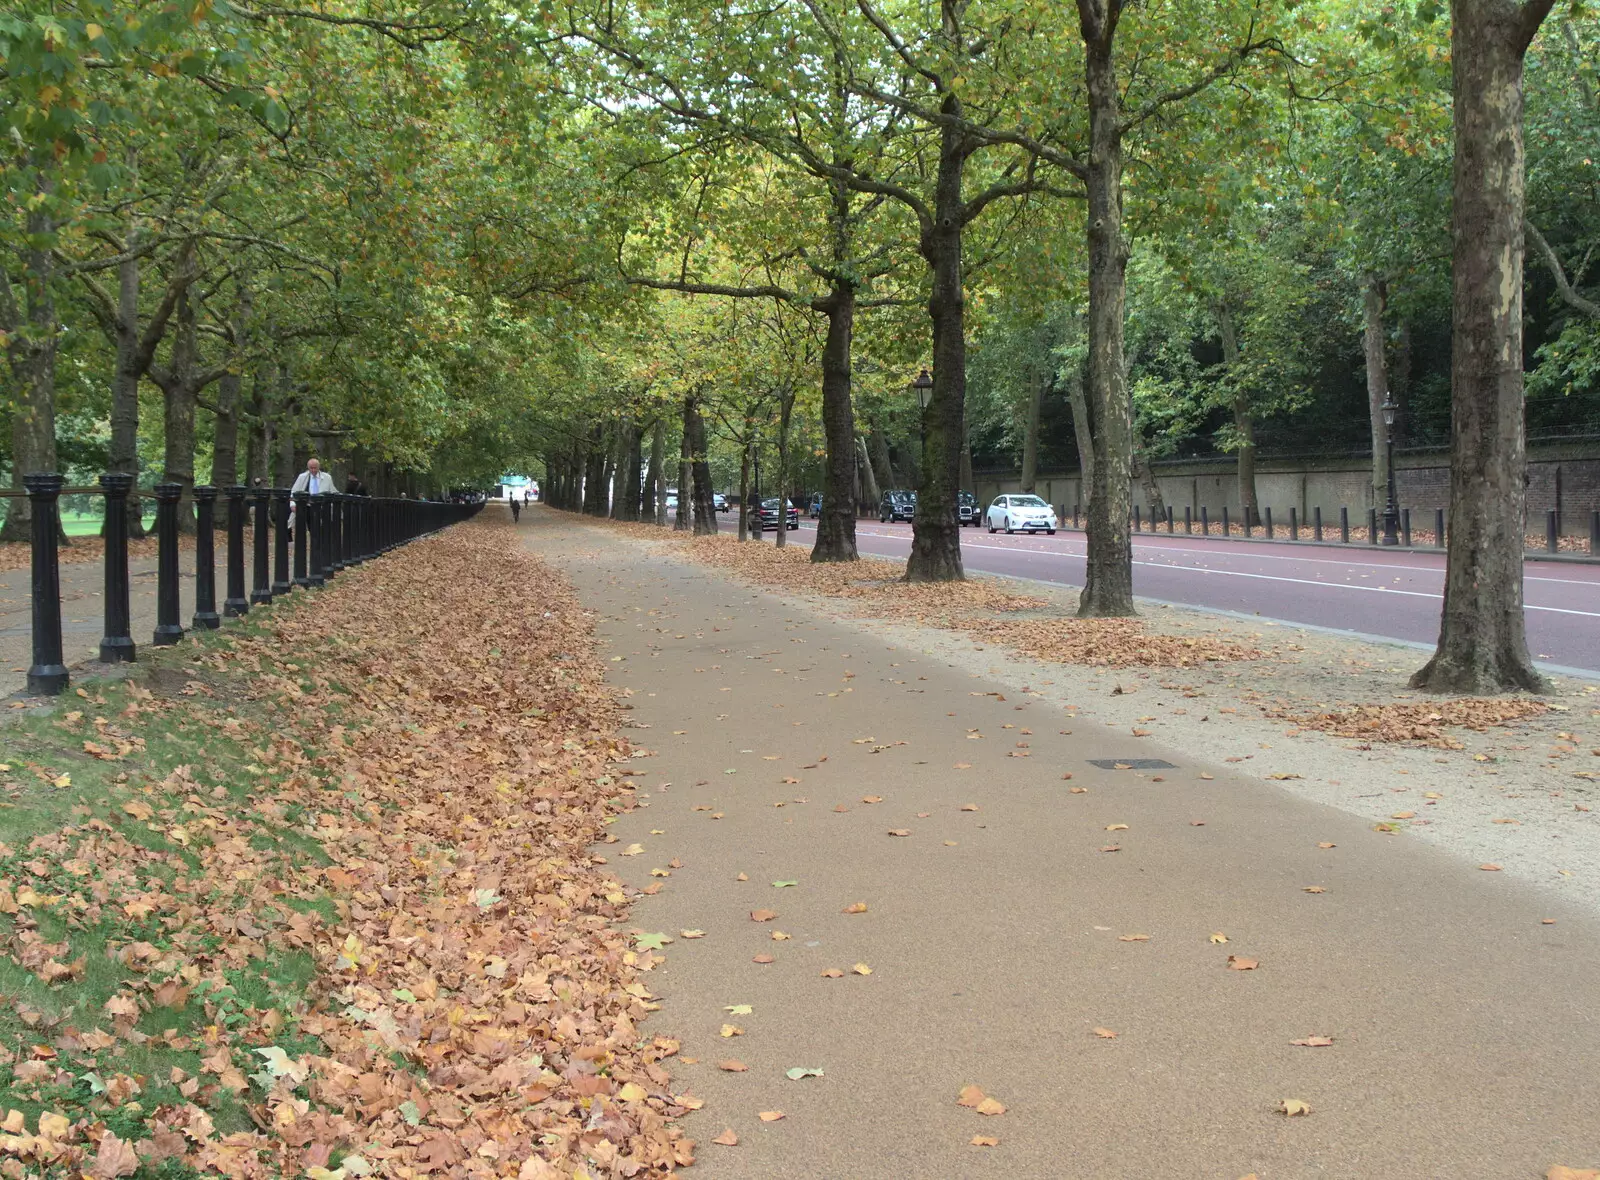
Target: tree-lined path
(802,767)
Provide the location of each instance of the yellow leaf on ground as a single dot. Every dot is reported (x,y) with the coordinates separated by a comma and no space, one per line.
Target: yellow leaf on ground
(1293,1106)
(727,1138)
(984,1141)
(770,1116)
(990,1106)
(970,1096)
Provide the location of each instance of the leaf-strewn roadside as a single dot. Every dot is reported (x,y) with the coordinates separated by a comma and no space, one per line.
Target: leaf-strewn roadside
(314,897)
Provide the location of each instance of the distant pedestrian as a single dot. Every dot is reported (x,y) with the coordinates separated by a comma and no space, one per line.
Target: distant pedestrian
(516,510)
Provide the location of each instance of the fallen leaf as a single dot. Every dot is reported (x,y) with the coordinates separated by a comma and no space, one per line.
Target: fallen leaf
(1558,1172)
(970,1096)
(833,973)
(1403,815)
(1111,848)
(763,958)
(1207,777)
(1080,790)
(1315,889)
(727,1138)
(899,831)
(731,1030)
(1133,938)
(969,807)
(770,1116)
(632,850)
(984,1141)
(858,907)
(802,1071)
(784,884)
(1105,1034)
(1116,827)
(779,936)
(1236,963)
(1219,937)
(737,1009)
(990,1106)
(1327,844)
(691,933)
(872,799)
(861,969)
(963,766)
(731,1066)
(1490,868)
(762,915)
(1314,1042)
(742,877)
(1293,1106)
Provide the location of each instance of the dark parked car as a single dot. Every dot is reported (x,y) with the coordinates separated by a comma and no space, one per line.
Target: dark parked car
(897,506)
(967,511)
(767,515)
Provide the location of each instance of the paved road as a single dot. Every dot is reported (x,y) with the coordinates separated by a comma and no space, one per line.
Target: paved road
(1392,595)
(1000,939)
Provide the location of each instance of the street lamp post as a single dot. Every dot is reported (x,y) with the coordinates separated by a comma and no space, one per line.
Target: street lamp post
(1391,510)
(923,388)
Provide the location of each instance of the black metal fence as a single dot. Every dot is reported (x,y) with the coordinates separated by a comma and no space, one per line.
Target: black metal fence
(1315,529)
(326,533)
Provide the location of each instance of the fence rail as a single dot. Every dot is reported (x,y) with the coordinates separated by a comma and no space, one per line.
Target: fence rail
(327,533)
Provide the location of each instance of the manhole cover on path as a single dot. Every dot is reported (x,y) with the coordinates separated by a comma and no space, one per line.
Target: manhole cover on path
(1131,764)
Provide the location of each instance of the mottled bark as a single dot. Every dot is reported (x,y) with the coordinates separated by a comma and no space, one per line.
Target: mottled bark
(699,492)
(1483,644)
(870,491)
(33,332)
(1373,298)
(1030,431)
(1108,568)
(1080,428)
(836,527)
(744,490)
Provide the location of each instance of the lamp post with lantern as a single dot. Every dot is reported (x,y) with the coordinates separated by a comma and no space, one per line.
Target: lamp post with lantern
(1391,510)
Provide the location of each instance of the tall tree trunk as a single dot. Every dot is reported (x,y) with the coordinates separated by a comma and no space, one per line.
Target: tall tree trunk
(655,506)
(225,432)
(966,464)
(1108,570)
(704,508)
(936,530)
(1244,426)
(1080,428)
(635,470)
(744,488)
(836,526)
(123,452)
(33,331)
(1400,380)
(1483,645)
(1147,480)
(785,413)
(684,519)
(1030,434)
(882,466)
(1373,298)
(621,497)
(180,393)
(870,491)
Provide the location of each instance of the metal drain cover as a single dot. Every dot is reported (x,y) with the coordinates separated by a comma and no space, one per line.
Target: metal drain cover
(1131,764)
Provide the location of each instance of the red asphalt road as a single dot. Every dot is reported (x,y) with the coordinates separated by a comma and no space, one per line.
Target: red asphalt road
(1359,589)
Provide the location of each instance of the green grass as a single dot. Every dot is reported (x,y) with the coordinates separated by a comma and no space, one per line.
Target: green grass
(82,894)
(87,524)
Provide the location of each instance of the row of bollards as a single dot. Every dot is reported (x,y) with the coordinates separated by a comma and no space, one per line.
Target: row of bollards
(327,533)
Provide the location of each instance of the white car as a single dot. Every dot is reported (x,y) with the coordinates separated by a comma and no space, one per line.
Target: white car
(1021,513)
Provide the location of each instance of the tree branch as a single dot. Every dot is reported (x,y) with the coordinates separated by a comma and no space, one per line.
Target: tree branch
(1564,286)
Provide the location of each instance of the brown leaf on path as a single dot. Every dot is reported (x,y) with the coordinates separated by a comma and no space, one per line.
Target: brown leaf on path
(1079,790)
(1293,1106)
(1207,777)
(861,969)
(872,799)
(1404,815)
(1559,1172)
(1067,775)
(1197,823)
(779,936)
(1104,1034)
(731,1030)
(969,1096)
(762,915)
(857,907)
(899,831)
(1133,938)
(1314,889)
(840,807)
(833,973)
(1237,963)
(1327,844)
(742,877)
(1116,827)
(1111,848)
(963,766)
(1219,937)
(990,1106)
(763,959)
(984,1141)
(115,1157)
(969,807)
(1313,1042)
(770,1116)
(731,1066)
(727,1138)
(1490,868)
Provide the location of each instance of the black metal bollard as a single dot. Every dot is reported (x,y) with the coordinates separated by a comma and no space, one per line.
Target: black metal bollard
(116,645)
(1137,527)
(1372,526)
(261,584)
(48,674)
(335,511)
(1344,525)
(1316,523)
(1594,534)
(302,537)
(1205,521)
(1188,519)
(205,559)
(1438,528)
(1294,524)
(168,629)
(1552,532)
(1405,527)
(1075,516)
(1267,520)
(236,603)
(280,542)
(1169,520)
(317,527)
(1227,531)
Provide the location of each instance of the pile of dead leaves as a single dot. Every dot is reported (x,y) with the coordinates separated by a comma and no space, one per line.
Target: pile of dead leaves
(473,1008)
(1420,723)
(1108,643)
(18,555)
